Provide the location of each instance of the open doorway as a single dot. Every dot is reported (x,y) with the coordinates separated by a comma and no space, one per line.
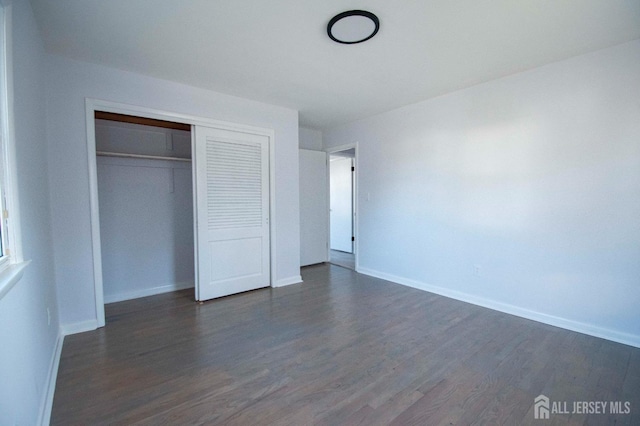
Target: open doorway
(342,211)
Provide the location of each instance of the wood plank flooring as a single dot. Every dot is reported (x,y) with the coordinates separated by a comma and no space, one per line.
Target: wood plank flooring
(340,349)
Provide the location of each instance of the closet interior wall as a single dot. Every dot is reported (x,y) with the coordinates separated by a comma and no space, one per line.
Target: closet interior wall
(146,209)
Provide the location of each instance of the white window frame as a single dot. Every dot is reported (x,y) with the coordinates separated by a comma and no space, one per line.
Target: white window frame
(12,263)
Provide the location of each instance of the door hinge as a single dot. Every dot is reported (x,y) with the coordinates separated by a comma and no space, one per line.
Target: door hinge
(353,169)
(5,214)
(353,238)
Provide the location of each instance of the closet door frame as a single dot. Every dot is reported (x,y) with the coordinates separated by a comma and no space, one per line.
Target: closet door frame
(93,105)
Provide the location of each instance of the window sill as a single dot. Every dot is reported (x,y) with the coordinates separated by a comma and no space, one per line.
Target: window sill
(10,276)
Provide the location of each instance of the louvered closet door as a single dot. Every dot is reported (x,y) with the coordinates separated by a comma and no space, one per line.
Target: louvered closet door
(232,199)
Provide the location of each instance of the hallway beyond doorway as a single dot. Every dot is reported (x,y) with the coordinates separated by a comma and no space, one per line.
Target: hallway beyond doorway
(341,258)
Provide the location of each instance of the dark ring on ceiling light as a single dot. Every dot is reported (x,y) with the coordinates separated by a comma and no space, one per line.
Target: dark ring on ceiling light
(348,13)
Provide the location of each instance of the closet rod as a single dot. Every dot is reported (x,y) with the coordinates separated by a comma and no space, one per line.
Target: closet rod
(148,157)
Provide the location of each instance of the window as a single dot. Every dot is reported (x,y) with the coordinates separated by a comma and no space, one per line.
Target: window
(5,252)
(9,218)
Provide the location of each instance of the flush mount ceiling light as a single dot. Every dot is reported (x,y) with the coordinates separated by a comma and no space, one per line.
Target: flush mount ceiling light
(353,26)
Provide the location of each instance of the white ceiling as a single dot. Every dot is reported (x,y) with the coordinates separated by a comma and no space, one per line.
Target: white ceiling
(277,51)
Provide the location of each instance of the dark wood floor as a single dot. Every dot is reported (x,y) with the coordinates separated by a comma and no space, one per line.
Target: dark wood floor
(340,349)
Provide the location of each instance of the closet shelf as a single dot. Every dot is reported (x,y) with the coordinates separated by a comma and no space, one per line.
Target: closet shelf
(148,157)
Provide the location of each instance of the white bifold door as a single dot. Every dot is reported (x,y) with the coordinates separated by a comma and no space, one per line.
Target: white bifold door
(232,212)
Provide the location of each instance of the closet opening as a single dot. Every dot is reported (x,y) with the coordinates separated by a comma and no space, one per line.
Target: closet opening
(145,202)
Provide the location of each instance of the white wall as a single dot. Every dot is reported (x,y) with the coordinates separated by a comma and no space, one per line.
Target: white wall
(522,194)
(310,139)
(146,227)
(27,340)
(69,83)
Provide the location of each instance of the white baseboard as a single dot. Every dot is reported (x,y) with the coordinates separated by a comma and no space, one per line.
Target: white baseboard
(119,297)
(580,327)
(288,281)
(52,375)
(79,327)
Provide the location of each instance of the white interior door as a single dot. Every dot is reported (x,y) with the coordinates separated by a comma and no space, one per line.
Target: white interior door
(341,204)
(232,212)
(313,207)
